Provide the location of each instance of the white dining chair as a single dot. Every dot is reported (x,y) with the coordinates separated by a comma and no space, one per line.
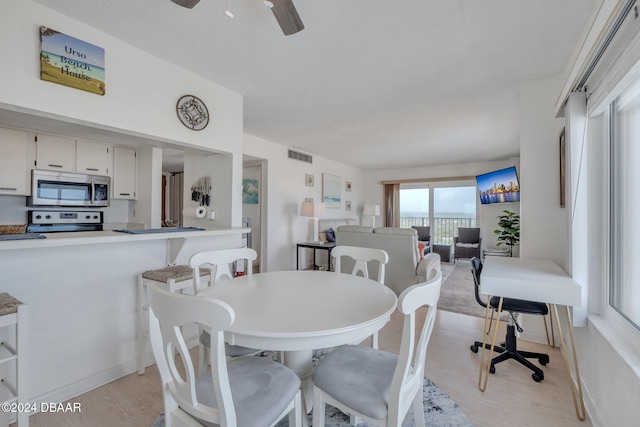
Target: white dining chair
(247,391)
(361,257)
(174,278)
(375,385)
(220,262)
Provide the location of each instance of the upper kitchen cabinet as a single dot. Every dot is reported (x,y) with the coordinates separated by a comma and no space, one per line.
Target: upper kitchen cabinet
(55,153)
(124,173)
(14,168)
(92,158)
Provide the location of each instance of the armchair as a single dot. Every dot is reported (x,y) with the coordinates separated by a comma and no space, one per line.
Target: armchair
(424,236)
(467,243)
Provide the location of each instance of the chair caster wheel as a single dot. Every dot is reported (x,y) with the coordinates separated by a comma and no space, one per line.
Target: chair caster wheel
(474,348)
(544,360)
(537,378)
(492,369)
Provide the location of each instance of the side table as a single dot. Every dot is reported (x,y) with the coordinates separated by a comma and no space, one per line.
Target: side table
(444,250)
(315,245)
(495,252)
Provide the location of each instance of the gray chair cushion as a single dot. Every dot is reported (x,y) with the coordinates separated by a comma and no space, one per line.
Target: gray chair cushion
(359,377)
(261,390)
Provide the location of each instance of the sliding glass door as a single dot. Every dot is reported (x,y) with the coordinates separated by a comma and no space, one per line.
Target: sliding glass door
(453,207)
(441,206)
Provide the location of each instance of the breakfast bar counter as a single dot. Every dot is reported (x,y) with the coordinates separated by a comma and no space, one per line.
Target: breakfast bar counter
(112,236)
(81,291)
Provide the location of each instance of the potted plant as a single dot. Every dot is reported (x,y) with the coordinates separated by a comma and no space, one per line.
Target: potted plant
(509,232)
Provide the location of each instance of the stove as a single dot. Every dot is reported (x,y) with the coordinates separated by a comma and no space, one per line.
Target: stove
(56,221)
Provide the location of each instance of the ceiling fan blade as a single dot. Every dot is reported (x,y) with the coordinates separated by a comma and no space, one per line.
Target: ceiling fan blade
(186,3)
(287,16)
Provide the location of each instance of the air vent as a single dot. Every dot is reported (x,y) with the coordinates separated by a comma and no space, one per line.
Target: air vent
(300,156)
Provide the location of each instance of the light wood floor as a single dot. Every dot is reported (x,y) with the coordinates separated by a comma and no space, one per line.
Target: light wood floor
(511,398)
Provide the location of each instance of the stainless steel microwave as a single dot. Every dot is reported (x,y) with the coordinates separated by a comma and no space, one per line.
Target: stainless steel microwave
(50,188)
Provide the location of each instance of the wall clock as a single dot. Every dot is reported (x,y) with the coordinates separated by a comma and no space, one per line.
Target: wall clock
(192,112)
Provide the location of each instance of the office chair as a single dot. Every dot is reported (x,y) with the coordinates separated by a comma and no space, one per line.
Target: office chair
(509,349)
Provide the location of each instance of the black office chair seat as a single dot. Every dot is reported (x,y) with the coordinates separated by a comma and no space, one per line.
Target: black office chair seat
(509,348)
(520,306)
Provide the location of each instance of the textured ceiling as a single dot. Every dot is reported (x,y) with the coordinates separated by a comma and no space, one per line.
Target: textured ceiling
(372,83)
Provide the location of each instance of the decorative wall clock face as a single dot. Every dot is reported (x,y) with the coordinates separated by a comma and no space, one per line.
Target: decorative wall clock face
(192,112)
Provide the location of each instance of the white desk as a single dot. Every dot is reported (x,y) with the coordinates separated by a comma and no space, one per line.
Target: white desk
(539,280)
(299,311)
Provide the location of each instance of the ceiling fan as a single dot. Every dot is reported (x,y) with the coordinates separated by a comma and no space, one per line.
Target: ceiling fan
(284,11)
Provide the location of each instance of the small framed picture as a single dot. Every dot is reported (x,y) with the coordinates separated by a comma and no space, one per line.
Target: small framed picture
(308,180)
(347,186)
(347,205)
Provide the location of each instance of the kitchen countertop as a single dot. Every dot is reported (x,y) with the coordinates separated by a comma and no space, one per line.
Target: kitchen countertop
(97,237)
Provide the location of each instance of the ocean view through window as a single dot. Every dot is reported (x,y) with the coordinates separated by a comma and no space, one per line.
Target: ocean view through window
(444,209)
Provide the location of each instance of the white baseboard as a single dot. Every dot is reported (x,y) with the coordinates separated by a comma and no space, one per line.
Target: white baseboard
(76,388)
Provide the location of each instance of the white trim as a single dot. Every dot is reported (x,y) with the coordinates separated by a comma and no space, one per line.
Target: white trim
(622,336)
(86,384)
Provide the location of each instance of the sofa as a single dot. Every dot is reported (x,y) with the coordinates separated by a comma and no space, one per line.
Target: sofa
(330,224)
(405,267)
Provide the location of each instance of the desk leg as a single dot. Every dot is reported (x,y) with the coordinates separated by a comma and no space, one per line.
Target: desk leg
(297,257)
(574,383)
(483,386)
(301,362)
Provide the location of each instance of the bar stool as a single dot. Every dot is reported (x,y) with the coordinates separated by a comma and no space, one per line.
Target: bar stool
(174,278)
(13,313)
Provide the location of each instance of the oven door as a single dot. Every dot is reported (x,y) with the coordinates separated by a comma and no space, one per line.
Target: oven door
(66,189)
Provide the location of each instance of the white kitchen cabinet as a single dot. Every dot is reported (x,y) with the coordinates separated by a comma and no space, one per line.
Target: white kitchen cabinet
(14,168)
(92,158)
(124,173)
(55,153)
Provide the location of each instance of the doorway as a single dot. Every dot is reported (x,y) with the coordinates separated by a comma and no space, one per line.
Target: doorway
(254,205)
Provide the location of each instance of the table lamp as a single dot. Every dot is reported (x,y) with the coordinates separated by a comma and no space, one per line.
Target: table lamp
(312,210)
(373,211)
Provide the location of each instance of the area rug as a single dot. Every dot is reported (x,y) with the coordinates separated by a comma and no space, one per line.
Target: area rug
(457,293)
(439,409)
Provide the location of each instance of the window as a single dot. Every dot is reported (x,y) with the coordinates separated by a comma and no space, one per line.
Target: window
(443,207)
(624,283)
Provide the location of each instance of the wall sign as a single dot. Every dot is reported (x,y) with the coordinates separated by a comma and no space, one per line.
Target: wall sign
(71,62)
(192,112)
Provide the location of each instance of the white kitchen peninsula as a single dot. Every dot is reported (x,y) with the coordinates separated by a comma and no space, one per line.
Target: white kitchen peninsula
(81,292)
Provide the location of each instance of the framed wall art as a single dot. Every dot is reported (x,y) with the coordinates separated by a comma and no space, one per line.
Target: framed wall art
(347,205)
(347,186)
(71,62)
(331,191)
(308,180)
(250,191)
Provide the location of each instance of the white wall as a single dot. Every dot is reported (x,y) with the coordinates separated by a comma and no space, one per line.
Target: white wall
(140,99)
(543,231)
(286,191)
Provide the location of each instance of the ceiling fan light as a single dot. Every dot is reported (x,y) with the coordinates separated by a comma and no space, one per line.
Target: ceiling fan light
(229,14)
(268,4)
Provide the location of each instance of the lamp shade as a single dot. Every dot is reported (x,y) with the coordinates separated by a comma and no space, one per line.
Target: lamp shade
(371,210)
(311,209)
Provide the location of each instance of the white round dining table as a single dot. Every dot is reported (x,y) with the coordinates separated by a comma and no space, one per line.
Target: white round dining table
(297,312)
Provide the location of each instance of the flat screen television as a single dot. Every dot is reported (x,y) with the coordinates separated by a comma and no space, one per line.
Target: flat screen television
(499,186)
